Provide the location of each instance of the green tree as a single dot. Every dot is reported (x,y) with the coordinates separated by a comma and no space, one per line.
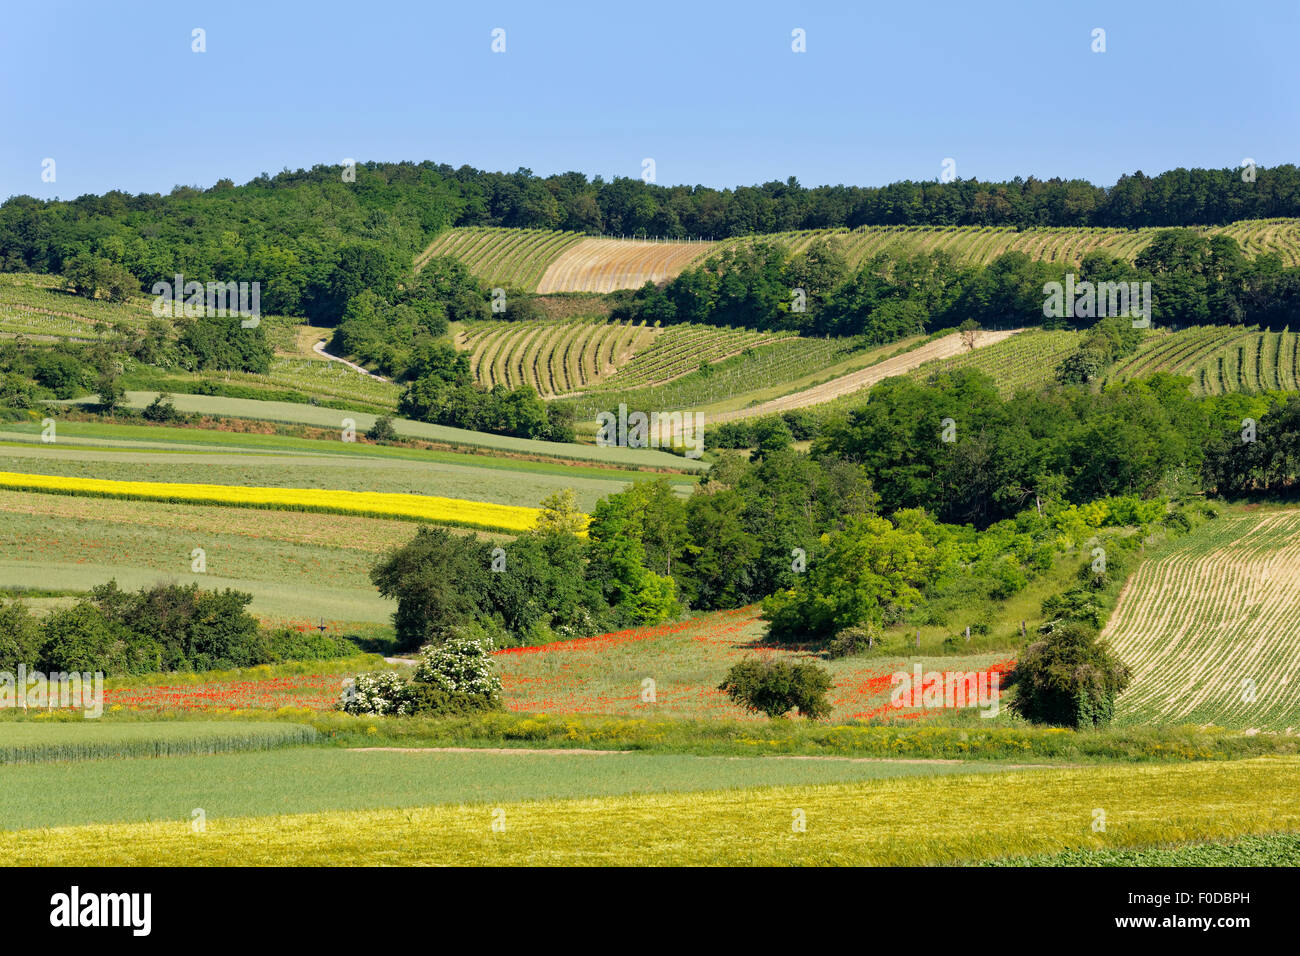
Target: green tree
(1069,679)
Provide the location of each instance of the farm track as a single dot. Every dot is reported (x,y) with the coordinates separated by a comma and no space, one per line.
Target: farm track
(945,347)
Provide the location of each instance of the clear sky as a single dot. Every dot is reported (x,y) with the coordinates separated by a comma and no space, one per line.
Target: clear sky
(711,91)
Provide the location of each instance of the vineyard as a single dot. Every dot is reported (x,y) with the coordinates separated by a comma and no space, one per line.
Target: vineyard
(1026,361)
(1208,628)
(756,369)
(1219,359)
(510,258)
(980,245)
(563,358)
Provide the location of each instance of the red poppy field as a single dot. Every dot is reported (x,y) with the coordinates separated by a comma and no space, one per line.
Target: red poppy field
(611,673)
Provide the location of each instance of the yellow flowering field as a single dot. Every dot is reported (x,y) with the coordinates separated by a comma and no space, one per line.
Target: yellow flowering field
(452,511)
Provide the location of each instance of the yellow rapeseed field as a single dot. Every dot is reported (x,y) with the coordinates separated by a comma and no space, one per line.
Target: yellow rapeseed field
(901,821)
(452,511)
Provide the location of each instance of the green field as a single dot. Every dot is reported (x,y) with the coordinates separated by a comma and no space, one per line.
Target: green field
(1281,849)
(292,413)
(1026,361)
(309,780)
(911,820)
(29,742)
(1219,359)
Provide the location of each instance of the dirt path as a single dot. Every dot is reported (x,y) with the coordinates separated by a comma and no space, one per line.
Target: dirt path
(945,347)
(319,349)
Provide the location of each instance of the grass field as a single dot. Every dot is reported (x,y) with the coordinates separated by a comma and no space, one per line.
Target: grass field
(295,564)
(1207,628)
(292,413)
(511,258)
(914,820)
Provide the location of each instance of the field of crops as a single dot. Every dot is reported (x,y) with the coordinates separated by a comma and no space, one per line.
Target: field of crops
(27,742)
(509,258)
(1219,359)
(1208,628)
(603,265)
(556,358)
(205,456)
(333,419)
(428,508)
(917,820)
(758,370)
(564,358)
(306,780)
(1025,361)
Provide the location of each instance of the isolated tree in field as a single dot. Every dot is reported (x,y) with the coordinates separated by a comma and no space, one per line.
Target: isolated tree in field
(776,687)
(1069,679)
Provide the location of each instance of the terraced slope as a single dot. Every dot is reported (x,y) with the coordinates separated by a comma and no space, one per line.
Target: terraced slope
(1210,628)
(603,265)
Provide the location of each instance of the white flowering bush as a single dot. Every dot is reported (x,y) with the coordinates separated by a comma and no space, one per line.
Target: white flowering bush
(384,692)
(456,677)
(460,665)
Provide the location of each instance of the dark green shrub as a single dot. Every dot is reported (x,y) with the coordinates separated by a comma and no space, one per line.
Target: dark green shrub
(161,409)
(853,640)
(1069,679)
(382,429)
(775,687)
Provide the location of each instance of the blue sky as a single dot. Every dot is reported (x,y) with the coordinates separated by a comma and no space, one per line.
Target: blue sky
(711,91)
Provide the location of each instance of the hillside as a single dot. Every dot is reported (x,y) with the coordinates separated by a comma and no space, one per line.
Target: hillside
(548,261)
(1208,628)
(1219,359)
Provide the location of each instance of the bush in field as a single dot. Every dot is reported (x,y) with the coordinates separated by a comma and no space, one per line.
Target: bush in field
(453,678)
(775,688)
(161,409)
(288,644)
(1069,679)
(462,667)
(853,640)
(381,693)
(382,429)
